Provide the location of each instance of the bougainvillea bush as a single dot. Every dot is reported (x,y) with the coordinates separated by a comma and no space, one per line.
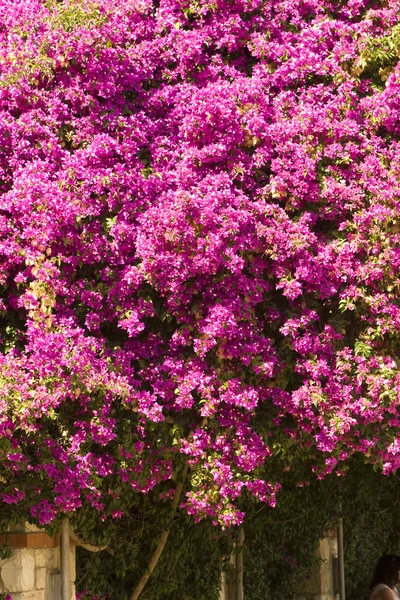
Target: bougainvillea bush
(200,247)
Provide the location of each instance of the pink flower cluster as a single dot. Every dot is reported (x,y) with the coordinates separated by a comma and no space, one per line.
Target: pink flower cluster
(199,245)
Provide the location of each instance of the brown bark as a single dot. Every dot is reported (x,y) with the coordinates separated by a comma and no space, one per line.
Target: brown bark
(91,547)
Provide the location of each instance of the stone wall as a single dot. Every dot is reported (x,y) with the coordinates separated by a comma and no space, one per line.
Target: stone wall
(33,571)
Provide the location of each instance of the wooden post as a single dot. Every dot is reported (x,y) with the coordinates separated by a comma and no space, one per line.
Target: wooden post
(342,588)
(239,564)
(65,561)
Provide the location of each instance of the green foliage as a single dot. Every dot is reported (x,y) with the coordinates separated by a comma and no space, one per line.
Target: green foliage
(190,566)
(371,520)
(281,542)
(65,17)
(379,56)
(5,552)
(10,515)
(72,14)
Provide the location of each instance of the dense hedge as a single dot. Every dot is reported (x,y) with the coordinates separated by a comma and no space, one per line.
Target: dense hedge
(189,569)
(371,527)
(281,543)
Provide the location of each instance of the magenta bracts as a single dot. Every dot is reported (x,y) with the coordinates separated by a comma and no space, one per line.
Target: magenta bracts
(199,246)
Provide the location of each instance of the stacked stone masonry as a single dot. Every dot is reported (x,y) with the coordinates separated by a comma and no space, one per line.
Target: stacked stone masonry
(34,573)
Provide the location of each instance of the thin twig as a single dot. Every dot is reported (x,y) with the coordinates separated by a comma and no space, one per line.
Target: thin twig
(287,520)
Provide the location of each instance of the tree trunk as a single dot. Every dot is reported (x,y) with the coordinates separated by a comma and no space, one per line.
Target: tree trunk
(163,539)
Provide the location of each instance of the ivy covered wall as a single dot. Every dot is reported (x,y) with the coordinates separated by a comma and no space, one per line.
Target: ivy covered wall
(371,527)
(281,542)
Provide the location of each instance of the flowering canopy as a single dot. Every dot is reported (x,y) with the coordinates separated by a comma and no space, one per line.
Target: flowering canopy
(199,244)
